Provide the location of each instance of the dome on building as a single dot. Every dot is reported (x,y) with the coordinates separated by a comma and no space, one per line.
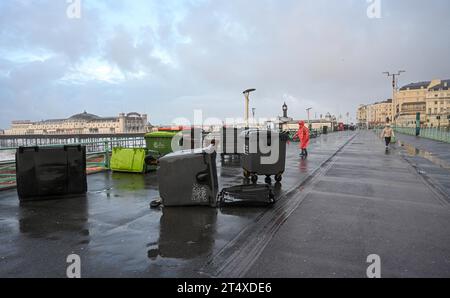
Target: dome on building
(84,116)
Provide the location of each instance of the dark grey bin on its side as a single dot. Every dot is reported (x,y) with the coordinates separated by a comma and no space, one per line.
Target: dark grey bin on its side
(188,178)
(252,161)
(48,173)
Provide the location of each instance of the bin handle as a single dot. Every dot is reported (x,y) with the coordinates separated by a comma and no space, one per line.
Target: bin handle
(202,177)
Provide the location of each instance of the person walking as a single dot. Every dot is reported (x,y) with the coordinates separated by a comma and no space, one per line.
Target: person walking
(303,135)
(388,134)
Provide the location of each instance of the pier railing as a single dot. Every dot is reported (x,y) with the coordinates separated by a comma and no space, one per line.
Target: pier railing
(98,154)
(434,133)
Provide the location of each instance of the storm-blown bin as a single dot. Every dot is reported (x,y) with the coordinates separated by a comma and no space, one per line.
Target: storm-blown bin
(44,173)
(253,161)
(188,178)
(130,160)
(228,141)
(160,141)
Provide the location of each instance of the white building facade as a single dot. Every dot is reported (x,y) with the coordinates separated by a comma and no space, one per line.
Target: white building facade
(83,123)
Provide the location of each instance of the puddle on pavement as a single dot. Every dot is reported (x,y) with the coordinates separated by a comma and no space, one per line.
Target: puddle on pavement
(413,151)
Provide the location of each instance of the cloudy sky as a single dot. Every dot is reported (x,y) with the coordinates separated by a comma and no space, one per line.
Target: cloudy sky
(167,58)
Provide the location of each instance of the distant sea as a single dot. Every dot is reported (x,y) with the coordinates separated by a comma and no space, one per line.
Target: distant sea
(7,155)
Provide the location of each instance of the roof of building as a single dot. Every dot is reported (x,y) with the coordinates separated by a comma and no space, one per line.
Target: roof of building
(85,116)
(442,86)
(416,86)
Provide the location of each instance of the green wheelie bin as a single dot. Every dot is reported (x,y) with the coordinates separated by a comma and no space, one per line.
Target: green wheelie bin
(130,160)
(160,142)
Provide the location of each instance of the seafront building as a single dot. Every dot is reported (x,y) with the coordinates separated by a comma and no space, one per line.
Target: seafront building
(287,123)
(374,114)
(83,123)
(430,99)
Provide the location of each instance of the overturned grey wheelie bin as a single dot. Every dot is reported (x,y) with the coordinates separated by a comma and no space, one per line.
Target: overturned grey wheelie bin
(265,154)
(188,178)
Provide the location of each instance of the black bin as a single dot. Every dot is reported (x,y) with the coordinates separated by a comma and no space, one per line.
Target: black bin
(48,173)
(325,130)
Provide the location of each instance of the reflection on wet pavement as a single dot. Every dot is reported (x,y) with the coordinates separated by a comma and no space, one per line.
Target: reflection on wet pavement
(413,151)
(303,165)
(185,233)
(50,221)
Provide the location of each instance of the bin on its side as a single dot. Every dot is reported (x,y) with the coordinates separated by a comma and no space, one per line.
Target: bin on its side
(130,160)
(188,178)
(47,173)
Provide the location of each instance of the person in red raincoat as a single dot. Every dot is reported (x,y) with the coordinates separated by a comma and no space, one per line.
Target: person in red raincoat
(303,135)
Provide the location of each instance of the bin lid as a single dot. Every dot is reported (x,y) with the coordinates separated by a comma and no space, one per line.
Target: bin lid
(161,134)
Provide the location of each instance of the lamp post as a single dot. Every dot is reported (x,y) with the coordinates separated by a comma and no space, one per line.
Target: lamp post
(247,101)
(394,88)
(307,111)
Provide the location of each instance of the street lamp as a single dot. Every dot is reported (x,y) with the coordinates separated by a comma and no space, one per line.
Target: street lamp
(247,100)
(394,88)
(307,111)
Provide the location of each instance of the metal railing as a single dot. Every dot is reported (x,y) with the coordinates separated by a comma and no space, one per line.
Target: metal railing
(98,155)
(434,133)
(441,134)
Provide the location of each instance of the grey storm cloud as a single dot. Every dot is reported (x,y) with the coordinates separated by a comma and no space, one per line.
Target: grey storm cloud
(201,54)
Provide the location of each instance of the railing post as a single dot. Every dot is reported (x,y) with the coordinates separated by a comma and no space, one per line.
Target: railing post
(107,161)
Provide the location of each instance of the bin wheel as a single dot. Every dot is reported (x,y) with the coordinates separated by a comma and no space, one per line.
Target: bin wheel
(268,180)
(254,178)
(278,178)
(246,174)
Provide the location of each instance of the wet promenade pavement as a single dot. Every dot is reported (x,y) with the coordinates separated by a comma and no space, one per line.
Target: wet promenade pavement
(348,200)
(365,201)
(116,234)
(430,158)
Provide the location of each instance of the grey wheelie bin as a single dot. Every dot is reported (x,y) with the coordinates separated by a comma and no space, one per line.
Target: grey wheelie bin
(265,154)
(188,178)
